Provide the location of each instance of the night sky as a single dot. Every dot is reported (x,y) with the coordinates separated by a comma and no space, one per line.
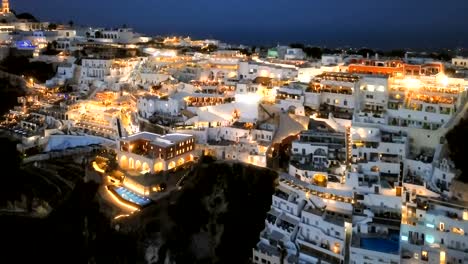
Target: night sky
(371,23)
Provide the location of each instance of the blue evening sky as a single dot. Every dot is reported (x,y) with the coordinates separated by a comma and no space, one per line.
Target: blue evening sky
(372,23)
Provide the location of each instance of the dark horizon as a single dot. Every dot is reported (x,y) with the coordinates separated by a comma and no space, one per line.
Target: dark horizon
(334,23)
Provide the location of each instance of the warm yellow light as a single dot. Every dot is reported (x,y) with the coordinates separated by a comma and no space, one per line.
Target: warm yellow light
(96,167)
(412,83)
(120,216)
(465,215)
(336,248)
(116,200)
(442,257)
(444,80)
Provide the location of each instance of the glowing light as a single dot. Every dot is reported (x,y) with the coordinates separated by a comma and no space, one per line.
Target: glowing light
(444,80)
(442,257)
(430,225)
(412,83)
(430,239)
(121,216)
(117,201)
(96,168)
(404,238)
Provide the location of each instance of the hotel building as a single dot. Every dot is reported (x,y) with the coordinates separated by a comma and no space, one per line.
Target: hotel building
(147,152)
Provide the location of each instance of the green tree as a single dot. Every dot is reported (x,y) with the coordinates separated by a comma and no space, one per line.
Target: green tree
(71,23)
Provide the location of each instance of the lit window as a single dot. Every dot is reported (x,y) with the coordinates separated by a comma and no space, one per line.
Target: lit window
(424,255)
(442,257)
(430,239)
(458,231)
(441,226)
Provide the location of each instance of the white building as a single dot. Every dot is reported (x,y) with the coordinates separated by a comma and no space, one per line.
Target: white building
(94,69)
(313,154)
(460,62)
(329,59)
(294,54)
(120,35)
(65,71)
(151,104)
(251,70)
(433,230)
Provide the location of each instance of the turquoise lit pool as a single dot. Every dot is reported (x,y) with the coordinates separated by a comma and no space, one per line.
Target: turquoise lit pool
(385,245)
(130,196)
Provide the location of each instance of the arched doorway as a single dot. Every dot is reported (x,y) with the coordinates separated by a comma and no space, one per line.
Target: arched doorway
(123,162)
(171,165)
(180,162)
(138,165)
(220,76)
(145,167)
(211,76)
(158,167)
(320,152)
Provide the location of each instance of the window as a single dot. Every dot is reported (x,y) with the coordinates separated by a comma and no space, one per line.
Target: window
(424,256)
(345,102)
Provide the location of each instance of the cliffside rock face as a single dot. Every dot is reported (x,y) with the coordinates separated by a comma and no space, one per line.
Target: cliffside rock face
(215,218)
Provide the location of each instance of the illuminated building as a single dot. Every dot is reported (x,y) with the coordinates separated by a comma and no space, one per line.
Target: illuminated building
(460,62)
(333,92)
(376,158)
(306,224)
(147,152)
(312,154)
(5,6)
(252,69)
(433,230)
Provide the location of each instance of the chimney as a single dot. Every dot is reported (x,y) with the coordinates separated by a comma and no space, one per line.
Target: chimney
(368,55)
(376,56)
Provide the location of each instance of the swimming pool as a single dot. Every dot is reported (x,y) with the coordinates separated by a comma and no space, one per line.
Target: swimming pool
(390,245)
(130,196)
